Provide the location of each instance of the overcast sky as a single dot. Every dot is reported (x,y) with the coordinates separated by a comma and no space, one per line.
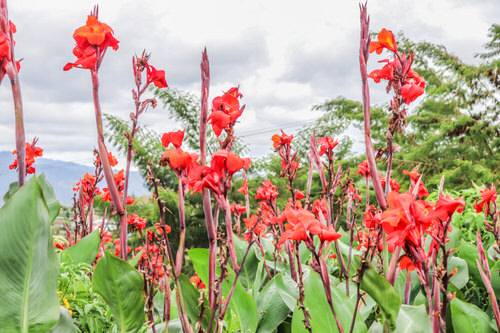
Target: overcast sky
(286,56)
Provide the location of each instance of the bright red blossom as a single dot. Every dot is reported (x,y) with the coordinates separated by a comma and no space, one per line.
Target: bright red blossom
(364,169)
(157,77)
(385,40)
(32,152)
(281,140)
(225,110)
(92,40)
(174,138)
(488,196)
(326,144)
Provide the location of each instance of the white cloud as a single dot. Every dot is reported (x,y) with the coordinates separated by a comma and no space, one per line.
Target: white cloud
(286,56)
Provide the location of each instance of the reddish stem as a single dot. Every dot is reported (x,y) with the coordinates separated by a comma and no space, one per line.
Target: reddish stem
(108,172)
(364,51)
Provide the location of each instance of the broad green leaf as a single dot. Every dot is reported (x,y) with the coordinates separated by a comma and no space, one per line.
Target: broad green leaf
(174,326)
(28,263)
(50,197)
(12,189)
(322,319)
(86,249)
(247,275)
(135,260)
(468,318)
(468,252)
(121,286)
(191,301)
(287,289)
(462,276)
(271,308)
(65,323)
(413,319)
(241,303)
(495,278)
(383,293)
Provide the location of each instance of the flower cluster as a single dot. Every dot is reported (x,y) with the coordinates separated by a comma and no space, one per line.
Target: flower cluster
(7,28)
(120,184)
(31,153)
(92,41)
(225,111)
(135,221)
(88,187)
(404,80)
(488,199)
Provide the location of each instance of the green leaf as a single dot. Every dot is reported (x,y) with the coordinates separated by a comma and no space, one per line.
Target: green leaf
(86,249)
(468,318)
(191,296)
(383,293)
(241,303)
(288,290)
(121,286)
(413,319)
(50,197)
(135,260)
(28,263)
(249,269)
(271,308)
(12,189)
(322,319)
(65,323)
(468,252)
(462,276)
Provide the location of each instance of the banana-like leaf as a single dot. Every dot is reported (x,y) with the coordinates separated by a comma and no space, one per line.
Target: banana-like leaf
(28,263)
(65,323)
(468,318)
(50,198)
(86,249)
(121,286)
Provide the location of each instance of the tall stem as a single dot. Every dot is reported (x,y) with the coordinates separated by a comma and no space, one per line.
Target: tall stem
(182,226)
(108,172)
(364,51)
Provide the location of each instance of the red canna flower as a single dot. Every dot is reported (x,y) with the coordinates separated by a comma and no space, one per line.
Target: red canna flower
(120,184)
(363,169)
(32,152)
(488,196)
(326,144)
(176,158)
(174,138)
(244,188)
(385,73)
(406,263)
(136,221)
(195,279)
(88,185)
(225,110)
(112,160)
(385,40)
(237,209)
(92,40)
(157,77)
(411,92)
(281,140)
(267,191)
(227,160)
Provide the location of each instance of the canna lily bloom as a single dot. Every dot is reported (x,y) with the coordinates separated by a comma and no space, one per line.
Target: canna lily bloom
(136,221)
(176,158)
(120,184)
(174,138)
(112,160)
(157,77)
(31,153)
(363,169)
(237,209)
(411,92)
(393,183)
(227,160)
(385,40)
(225,110)
(446,206)
(385,73)
(488,196)
(406,263)
(195,279)
(92,40)
(244,188)
(281,140)
(267,191)
(88,187)
(326,144)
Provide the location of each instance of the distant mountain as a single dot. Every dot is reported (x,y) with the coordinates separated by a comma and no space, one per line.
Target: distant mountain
(62,176)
